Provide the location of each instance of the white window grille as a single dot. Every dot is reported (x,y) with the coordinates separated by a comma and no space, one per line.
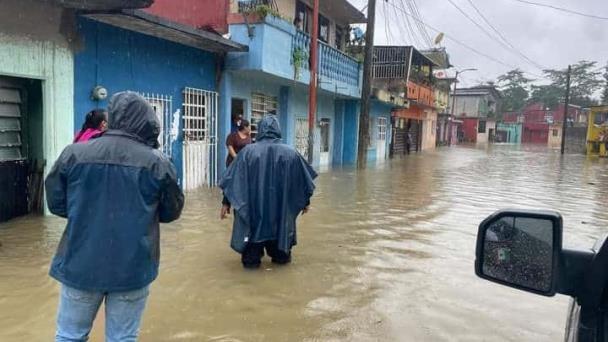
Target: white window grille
(200,109)
(261,104)
(382,126)
(302,136)
(163,106)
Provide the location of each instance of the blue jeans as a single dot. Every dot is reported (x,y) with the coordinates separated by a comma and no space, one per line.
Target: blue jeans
(77,310)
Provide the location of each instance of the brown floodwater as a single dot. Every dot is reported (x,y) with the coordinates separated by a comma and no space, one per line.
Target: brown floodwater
(385,255)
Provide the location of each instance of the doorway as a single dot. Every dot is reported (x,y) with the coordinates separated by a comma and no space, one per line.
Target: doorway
(237,111)
(21,151)
(325,142)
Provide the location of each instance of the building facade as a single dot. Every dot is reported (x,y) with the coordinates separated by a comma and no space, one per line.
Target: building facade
(173,66)
(477,108)
(406,71)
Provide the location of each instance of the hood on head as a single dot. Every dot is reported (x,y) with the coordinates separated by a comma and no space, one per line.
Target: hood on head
(269,128)
(131,113)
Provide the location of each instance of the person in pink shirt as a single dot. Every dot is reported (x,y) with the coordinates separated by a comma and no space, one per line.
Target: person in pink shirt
(95,123)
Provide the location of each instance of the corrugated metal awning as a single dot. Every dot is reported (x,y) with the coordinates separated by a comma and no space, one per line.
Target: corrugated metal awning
(151,25)
(103,5)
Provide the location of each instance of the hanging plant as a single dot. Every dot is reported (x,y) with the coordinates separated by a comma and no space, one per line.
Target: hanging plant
(300,56)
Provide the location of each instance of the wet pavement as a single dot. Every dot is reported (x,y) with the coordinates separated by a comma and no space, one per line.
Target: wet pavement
(385,255)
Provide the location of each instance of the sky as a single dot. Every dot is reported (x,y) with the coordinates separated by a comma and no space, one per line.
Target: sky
(550,38)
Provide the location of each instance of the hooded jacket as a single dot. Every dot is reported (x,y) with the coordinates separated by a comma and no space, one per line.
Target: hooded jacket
(268,185)
(114,191)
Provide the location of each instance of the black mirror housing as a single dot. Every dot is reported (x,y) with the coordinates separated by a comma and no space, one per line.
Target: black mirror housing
(521,249)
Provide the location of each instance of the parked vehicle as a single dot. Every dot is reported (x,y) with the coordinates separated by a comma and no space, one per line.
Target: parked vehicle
(523,249)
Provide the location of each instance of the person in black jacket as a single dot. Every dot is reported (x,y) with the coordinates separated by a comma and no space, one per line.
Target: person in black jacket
(114,191)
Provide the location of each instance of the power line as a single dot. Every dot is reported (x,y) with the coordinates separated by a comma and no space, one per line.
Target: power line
(417,20)
(503,37)
(387,29)
(562,9)
(401,26)
(498,61)
(426,33)
(506,47)
(410,26)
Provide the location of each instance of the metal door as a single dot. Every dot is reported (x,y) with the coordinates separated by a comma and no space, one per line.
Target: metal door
(301,137)
(200,138)
(381,141)
(325,141)
(13,166)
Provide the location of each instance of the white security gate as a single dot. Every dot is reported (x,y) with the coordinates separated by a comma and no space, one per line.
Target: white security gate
(381,143)
(200,138)
(325,137)
(301,142)
(163,106)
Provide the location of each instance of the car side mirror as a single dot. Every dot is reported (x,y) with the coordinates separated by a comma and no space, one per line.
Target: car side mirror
(521,249)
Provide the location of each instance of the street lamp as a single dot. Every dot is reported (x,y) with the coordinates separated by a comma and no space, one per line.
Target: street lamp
(454,102)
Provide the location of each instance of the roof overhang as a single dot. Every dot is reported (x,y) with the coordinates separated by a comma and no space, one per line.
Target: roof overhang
(103,5)
(341,11)
(151,25)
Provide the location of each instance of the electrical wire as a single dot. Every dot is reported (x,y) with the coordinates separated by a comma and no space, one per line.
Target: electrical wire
(504,39)
(426,33)
(403,29)
(466,46)
(421,28)
(505,46)
(419,41)
(561,9)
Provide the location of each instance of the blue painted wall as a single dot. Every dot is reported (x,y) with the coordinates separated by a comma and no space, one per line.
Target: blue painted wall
(377,110)
(351,128)
(513,130)
(293,103)
(123,60)
(270,51)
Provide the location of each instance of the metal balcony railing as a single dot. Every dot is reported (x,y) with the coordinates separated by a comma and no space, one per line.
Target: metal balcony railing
(333,63)
(246,6)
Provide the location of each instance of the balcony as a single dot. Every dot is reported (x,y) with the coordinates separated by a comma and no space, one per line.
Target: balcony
(420,94)
(278,49)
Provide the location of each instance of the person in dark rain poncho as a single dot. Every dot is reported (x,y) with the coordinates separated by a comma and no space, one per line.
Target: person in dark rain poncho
(268,185)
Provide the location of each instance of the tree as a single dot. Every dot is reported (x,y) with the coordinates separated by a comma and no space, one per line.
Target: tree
(605,92)
(584,83)
(513,87)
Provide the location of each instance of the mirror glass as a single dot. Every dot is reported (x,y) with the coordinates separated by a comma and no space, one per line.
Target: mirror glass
(519,251)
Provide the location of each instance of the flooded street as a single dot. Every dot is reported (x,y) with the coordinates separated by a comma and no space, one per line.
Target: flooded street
(384,255)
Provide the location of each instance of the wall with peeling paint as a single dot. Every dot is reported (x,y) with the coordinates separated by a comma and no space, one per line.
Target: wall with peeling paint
(35,44)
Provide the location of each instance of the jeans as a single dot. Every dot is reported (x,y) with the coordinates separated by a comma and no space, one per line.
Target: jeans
(77,310)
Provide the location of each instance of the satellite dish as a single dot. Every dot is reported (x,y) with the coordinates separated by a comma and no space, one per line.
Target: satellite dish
(439,38)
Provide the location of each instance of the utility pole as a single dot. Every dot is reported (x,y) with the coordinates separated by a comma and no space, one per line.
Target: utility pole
(454,102)
(567,104)
(367,86)
(312,99)
(451,118)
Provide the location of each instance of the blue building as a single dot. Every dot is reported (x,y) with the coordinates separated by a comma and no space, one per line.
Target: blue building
(174,66)
(273,76)
(509,132)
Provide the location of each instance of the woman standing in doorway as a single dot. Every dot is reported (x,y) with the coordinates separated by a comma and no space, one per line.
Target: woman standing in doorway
(238,140)
(95,123)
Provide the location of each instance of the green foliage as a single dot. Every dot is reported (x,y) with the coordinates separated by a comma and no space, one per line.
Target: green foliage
(584,83)
(513,87)
(300,56)
(264,10)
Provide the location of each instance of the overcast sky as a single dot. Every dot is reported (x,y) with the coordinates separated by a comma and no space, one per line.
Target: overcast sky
(551,38)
